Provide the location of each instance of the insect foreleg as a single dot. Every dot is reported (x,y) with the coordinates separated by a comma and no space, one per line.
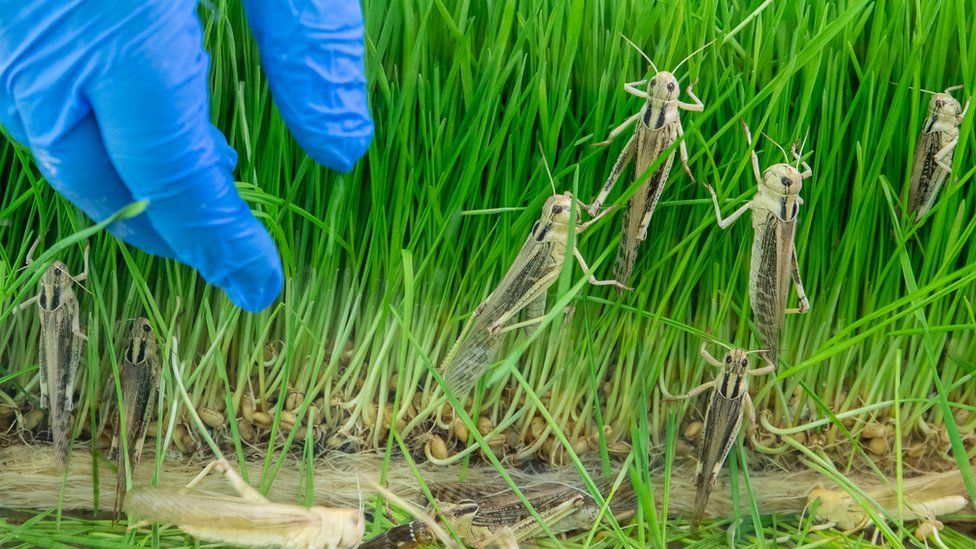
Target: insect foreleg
(696,105)
(692,393)
(593,279)
(683,153)
(804,304)
(84,273)
(633,89)
(29,260)
(625,157)
(583,226)
(755,158)
(27,303)
(726,222)
(621,128)
(708,356)
(807,170)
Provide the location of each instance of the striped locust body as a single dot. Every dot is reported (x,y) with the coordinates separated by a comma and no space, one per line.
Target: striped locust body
(59,348)
(139,378)
(933,152)
(658,126)
(523,288)
(774,263)
(483,518)
(248,519)
(723,418)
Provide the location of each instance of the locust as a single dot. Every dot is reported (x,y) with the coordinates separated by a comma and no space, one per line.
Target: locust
(523,288)
(658,127)
(59,347)
(723,418)
(139,379)
(933,152)
(774,211)
(485,519)
(248,519)
(835,508)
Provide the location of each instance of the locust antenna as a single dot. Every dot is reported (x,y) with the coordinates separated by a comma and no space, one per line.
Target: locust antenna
(757,351)
(690,55)
(803,145)
(545,162)
(953,88)
(640,51)
(778,146)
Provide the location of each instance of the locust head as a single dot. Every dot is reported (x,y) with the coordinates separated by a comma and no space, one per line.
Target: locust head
(142,342)
(54,279)
(555,217)
(736,362)
(781,184)
(945,107)
(663,87)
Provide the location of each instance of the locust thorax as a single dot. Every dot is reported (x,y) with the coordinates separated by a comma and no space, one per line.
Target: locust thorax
(946,111)
(142,342)
(736,362)
(54,279)
(663,87)
(780,191)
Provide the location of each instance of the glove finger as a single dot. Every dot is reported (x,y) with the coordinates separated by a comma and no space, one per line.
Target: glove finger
(152,108)
(312,53)
(68,148)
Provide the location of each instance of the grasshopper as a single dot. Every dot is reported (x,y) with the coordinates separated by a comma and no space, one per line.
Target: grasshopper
(723,418)
(59,347)
(774,211)
(523,287)
(248,519)
(658,126)
(139,378)
(933,153)
(835,508)
(495,518)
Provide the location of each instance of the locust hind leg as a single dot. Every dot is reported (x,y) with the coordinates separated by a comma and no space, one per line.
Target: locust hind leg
(535,309)
(625,158)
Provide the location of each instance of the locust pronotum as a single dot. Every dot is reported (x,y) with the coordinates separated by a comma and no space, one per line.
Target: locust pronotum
(248,519)
(774,211)
(723,418)
(59,347)
(523,287)
(933,152)
(139,379)
(658,126)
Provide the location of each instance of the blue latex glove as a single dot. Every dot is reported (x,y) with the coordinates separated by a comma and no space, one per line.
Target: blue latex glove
(111,97)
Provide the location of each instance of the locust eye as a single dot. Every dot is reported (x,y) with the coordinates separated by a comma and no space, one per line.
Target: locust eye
(557,209)
(145,328)
(786,181)
(745,362)
(728,359)
(670,86)
(652,81)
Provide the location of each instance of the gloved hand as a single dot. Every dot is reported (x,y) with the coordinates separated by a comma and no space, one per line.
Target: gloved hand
(111,97)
